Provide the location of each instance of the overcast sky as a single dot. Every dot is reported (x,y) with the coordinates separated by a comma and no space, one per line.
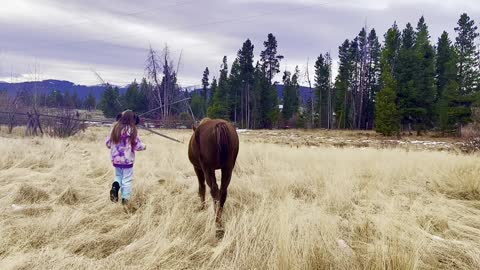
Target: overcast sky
(67,39)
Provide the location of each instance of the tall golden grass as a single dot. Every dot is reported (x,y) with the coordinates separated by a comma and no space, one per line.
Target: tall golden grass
(288,208)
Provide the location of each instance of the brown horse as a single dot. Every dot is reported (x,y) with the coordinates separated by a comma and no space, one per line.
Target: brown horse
(214,146)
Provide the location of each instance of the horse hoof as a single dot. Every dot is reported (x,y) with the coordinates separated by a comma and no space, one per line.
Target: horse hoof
(219,233)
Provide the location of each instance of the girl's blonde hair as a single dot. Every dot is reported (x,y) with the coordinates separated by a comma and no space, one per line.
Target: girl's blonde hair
(127,119)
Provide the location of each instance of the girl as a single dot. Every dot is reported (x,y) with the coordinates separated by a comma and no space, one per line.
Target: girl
(123,143)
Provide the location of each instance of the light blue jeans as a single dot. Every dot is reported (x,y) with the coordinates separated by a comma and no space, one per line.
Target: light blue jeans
(124,177)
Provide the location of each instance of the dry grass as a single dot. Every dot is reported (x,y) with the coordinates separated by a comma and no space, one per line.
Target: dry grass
(356,139)
(288,208)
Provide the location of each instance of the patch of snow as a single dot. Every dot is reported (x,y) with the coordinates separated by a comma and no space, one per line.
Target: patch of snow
(343,245)
(437,238)
(17,207)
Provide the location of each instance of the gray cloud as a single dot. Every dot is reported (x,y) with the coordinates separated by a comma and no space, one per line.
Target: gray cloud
(66,39)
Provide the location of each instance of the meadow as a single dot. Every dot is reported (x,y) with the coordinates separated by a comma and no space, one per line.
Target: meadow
(290,206)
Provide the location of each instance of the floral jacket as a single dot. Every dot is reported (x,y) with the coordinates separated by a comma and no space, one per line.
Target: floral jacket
(123,154)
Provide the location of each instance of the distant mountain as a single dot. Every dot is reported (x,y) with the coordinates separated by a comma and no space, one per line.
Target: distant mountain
(97,90)
(50,85)
(305,93)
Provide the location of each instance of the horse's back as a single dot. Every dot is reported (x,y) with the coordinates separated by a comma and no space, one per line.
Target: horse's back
(214,144)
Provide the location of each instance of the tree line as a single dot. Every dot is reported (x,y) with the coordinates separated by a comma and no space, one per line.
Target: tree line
(405,84)
(135,98)
(54,99)
(246,93)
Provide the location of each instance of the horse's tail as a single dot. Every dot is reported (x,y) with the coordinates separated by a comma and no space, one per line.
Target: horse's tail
(223,141)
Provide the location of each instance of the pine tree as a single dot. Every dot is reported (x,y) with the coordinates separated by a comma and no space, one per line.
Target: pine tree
(55,99)
(219,108)
(425,92)
(287,110)
(234,99)
(468,61)
(90,102)
(387,117)
(453,109)
(446,75)
(446,69)
(291,95)
(259,83)
(130,97)
(68,100)
(270,58)
(297,102)
(342,86)
(406,71)
(322,89)
(202,106)
(373,80)
(198,105)
(358,81)
(134,99)
(246,76)
(391,49)
(109,103)
(142,98)
(361,80)
(354,83)
(76,102)
(270,63)
(213,89)
(205,85)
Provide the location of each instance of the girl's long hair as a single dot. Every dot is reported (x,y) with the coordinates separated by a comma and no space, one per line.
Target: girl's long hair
(127,120)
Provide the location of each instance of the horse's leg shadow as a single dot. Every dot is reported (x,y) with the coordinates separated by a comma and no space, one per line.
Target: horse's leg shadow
(219,233)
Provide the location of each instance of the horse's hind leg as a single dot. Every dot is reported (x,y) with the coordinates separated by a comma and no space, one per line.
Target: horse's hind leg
(201,186)
(212,183)
(226,177)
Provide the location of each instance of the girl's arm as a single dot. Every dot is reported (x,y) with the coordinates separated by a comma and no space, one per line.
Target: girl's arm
(108,143)
(139,146)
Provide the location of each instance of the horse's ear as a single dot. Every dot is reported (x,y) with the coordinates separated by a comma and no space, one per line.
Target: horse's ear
(119,115)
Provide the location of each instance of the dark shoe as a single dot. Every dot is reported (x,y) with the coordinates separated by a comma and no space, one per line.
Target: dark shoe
(124,201)
(114,192)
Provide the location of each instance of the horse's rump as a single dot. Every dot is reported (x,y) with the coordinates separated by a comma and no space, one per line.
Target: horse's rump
(223,141)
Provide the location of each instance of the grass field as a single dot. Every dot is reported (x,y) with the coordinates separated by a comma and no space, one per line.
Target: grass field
(304,207)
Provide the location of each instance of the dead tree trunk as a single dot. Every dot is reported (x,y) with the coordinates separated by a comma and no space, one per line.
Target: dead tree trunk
(312,124)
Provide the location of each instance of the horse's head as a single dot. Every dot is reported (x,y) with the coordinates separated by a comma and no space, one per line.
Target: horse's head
(197,124)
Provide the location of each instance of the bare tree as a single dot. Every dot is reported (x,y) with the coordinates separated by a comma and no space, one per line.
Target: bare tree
(312,110)
(66,123)
(33,124)
(153,68)
(330,95)
(14,105)
(163,74)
